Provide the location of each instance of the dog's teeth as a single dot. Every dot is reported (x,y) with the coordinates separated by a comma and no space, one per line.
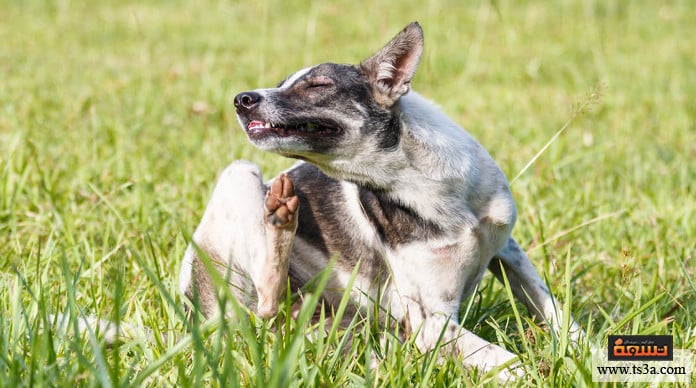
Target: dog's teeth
(255,124)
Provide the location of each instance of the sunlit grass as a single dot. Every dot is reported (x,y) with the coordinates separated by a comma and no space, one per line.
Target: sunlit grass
(115,118)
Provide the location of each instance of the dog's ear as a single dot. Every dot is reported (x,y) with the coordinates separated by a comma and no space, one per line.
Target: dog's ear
(391,69)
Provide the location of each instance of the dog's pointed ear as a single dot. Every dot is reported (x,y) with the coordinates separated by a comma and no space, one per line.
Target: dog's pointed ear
(391,69)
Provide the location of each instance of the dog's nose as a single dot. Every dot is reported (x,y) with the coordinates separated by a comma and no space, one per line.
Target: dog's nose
(247,101)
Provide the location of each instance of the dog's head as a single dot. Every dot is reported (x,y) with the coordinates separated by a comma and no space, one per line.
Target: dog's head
(331,112)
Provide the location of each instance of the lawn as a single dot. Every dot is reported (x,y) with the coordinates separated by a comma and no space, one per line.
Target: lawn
(116,117)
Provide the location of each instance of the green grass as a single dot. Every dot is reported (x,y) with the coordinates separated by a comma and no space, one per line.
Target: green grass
(116,116)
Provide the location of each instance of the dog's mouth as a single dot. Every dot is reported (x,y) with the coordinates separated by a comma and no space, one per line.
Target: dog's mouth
(257,129)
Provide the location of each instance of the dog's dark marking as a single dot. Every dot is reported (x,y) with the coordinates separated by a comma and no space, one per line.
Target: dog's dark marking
(319,220)
(320,189)
(394,222)
(387,128)
(448,296)
(203,291)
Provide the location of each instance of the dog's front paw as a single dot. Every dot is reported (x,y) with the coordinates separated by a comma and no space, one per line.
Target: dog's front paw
(281,202)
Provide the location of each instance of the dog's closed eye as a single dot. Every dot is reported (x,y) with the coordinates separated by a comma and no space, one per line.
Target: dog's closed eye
(320,82)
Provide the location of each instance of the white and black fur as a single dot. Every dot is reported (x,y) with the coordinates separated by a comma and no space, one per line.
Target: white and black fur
(385,179)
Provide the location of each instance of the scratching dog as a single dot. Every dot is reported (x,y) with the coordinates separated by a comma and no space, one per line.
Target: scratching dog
(385,181)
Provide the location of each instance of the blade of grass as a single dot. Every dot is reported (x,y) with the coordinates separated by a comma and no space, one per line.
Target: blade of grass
(586,103)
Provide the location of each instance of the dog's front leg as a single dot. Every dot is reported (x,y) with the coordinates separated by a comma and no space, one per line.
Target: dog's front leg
(434,328)
(246,232)
(430,284)
(474,350)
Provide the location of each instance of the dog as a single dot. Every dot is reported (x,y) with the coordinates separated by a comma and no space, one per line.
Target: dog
(384,181)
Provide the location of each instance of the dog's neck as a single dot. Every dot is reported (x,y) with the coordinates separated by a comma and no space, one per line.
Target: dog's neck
(433,170)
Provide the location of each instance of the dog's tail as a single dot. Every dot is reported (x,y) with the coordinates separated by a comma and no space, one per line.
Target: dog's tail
(529,288)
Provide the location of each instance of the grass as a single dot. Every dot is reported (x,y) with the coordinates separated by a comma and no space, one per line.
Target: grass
(115,118)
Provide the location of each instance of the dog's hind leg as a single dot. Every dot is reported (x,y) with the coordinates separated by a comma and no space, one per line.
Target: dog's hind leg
(528,287)
(280,221)
(247,232)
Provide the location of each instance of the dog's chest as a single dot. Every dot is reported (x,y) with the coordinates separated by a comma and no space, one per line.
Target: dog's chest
(342,221)
(391,245)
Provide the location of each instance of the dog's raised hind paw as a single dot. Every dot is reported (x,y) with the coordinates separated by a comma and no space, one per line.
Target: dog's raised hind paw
(281,202)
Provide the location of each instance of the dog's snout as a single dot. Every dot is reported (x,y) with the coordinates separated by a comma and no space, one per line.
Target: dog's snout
(247,101)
